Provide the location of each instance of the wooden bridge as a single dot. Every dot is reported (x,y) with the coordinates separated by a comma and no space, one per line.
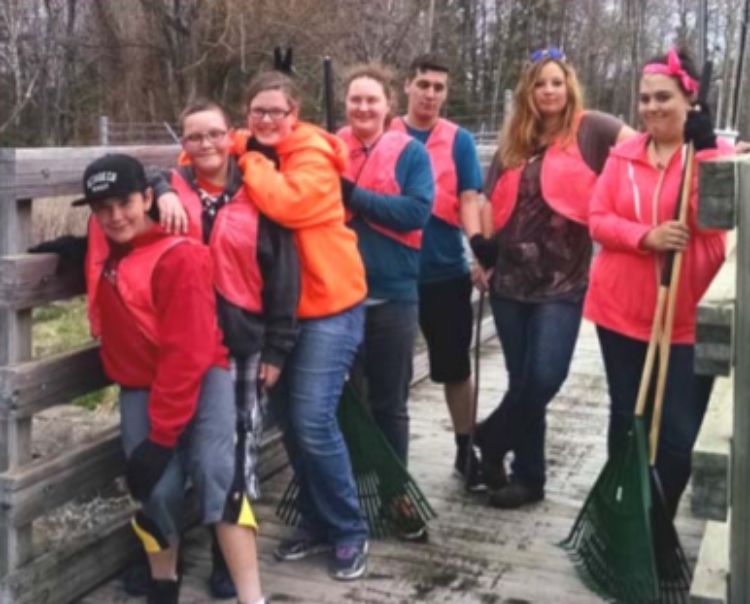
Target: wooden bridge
(475,553)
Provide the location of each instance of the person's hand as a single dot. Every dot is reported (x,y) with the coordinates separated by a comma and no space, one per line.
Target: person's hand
(347,189)
(699,128)
(480,277)
(70,248)
(253,144)
(172,215)
(485,250)
(145,466)
(268,375)
(742,147)
(670,235)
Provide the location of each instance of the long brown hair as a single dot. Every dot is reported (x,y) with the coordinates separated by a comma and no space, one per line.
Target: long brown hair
(523,128)
(383,75)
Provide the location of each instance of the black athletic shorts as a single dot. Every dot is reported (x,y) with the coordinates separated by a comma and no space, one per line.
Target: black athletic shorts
(445,316)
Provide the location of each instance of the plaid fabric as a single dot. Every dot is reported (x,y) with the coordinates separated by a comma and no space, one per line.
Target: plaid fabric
(251,408)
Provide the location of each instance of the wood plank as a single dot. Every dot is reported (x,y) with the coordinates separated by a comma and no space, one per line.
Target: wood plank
(718,193)
(714,344)
(39,487)
(55,171)
(29,387)
(739,590)
(15,346)
(63,574)
(28,280)
(710,478)
(712,570)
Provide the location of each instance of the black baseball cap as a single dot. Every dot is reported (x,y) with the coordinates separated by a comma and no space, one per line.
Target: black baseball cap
(114,175)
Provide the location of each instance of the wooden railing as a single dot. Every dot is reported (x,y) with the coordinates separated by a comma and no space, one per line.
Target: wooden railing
(721,459)
(31,488)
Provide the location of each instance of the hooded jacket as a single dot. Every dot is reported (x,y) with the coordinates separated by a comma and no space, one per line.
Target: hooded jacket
(630,198)
(304,195)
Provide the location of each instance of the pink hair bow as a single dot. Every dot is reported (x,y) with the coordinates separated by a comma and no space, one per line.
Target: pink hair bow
(674,69)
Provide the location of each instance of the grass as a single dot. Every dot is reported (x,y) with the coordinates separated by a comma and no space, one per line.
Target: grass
(62,326)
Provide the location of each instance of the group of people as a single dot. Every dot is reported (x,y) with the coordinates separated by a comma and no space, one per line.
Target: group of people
(278,261)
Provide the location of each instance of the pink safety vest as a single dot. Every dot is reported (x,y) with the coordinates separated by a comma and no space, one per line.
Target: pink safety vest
(133,281)
(233,244)
(376,171)
(440,147)
(567,183)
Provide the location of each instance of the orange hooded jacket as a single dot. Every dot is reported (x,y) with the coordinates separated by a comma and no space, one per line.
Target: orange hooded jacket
(304,195)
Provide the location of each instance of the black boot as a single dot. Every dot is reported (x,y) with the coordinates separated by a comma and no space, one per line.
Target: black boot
(220,582)
(163,591)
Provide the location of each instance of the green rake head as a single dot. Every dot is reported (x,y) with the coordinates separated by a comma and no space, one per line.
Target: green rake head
(386,489)
(610,542)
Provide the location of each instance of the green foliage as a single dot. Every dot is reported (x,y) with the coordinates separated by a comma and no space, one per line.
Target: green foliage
(61,326)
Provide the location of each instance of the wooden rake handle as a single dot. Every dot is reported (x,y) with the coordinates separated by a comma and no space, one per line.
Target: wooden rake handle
(665,339)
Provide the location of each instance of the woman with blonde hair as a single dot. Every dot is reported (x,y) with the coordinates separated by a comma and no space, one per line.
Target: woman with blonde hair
(539,185)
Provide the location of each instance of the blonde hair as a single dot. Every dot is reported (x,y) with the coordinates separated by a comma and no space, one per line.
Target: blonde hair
(383,75)
(523,128)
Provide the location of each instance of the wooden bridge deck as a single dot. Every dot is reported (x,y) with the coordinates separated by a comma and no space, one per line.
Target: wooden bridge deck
(475,553)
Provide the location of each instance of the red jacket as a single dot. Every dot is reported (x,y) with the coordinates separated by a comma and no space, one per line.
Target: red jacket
(157,311)
(627,202)
(440,147)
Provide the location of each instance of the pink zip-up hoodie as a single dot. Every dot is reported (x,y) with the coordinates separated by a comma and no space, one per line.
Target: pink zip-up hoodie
(630,197)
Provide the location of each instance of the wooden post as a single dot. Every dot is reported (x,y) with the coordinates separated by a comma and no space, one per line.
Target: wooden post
(15,346)
(739,548)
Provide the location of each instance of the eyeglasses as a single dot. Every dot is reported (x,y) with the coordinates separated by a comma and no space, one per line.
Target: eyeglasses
(276,114)
(212,136)
(547,53)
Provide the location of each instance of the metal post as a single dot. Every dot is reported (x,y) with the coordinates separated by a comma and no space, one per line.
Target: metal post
(739,540)
(104,130)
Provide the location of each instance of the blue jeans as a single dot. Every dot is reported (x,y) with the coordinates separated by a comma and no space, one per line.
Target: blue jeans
(306,399)
(383,369)
(538,340)
(685,400)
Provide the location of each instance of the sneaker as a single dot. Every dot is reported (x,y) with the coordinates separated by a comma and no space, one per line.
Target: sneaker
(220,583)
(136,580)
(300,547)
(475,482)
(493,471)
(407,523)
(349,561)
(514,495)
(163,591)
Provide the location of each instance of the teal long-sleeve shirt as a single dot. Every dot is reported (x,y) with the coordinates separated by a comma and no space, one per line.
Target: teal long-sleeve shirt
(393,268)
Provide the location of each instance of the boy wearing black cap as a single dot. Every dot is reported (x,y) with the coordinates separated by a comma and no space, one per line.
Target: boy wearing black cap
(152,303)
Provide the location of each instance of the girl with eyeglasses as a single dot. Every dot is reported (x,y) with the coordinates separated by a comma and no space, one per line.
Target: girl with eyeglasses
(550,152)
(256,278)
(632,217)
(292,172)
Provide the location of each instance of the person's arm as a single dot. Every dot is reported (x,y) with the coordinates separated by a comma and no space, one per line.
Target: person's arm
(412,208)
(469,173)
(169,210)
(605,224)
(186,312)
(185,307)
(306,193)
(279,264)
